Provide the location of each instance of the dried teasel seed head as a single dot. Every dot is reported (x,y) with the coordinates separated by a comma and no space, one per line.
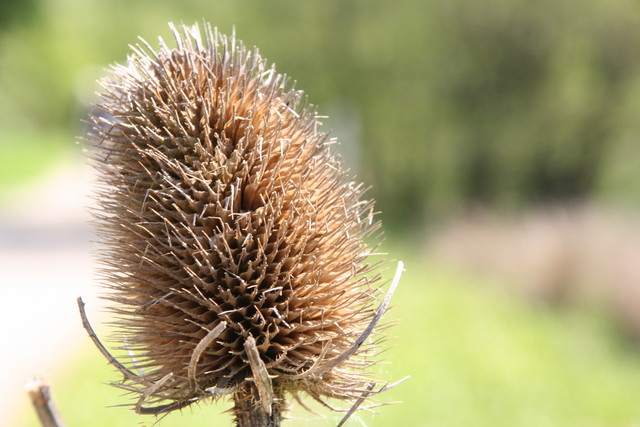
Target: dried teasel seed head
(234,245)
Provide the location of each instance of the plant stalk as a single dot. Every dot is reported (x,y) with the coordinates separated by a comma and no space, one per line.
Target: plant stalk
(250,413)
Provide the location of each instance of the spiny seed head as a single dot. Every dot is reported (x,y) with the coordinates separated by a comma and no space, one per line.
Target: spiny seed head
(229,229)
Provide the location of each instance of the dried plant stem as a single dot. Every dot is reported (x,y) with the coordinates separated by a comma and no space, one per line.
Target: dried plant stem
(202,345)
(369,329)
(357,404)
(87,326)
(260,375)
(43,403)
(250,413)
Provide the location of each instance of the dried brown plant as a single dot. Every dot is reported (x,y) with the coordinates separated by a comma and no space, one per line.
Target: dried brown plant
(234,245)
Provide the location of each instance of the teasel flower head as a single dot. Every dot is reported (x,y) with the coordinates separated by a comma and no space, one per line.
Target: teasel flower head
(234,246)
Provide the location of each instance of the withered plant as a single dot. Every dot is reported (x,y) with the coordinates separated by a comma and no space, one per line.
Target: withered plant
(234,246)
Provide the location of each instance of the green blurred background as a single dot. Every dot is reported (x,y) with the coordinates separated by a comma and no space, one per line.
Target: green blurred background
(446,103)
(446,109)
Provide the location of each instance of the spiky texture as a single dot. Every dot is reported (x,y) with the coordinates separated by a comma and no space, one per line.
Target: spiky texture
(220,201)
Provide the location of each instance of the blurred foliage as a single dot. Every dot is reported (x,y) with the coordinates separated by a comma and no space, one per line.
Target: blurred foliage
(16,11)
(439,104)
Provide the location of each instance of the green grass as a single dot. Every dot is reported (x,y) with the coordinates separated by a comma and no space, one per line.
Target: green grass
(476,355)
(27,155)
(479,357)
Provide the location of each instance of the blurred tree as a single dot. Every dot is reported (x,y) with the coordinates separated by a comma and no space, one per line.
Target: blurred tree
(16,11)
(504,103)
(501,102)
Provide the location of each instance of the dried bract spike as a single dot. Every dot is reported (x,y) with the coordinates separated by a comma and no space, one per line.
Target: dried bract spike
(234,245)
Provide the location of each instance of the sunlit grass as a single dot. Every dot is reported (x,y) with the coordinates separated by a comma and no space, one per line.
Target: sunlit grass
(477,357)
(84,398)
(481,357)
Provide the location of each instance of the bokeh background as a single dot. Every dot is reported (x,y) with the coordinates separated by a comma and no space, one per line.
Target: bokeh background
(500,139)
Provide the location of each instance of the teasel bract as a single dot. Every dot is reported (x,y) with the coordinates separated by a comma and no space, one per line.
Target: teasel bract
(234,247)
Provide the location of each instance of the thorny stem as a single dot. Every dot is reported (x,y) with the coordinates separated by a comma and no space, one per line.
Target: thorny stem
(87,326)
(249,412)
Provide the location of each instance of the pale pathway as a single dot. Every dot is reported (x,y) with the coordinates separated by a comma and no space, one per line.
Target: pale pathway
(46,262)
